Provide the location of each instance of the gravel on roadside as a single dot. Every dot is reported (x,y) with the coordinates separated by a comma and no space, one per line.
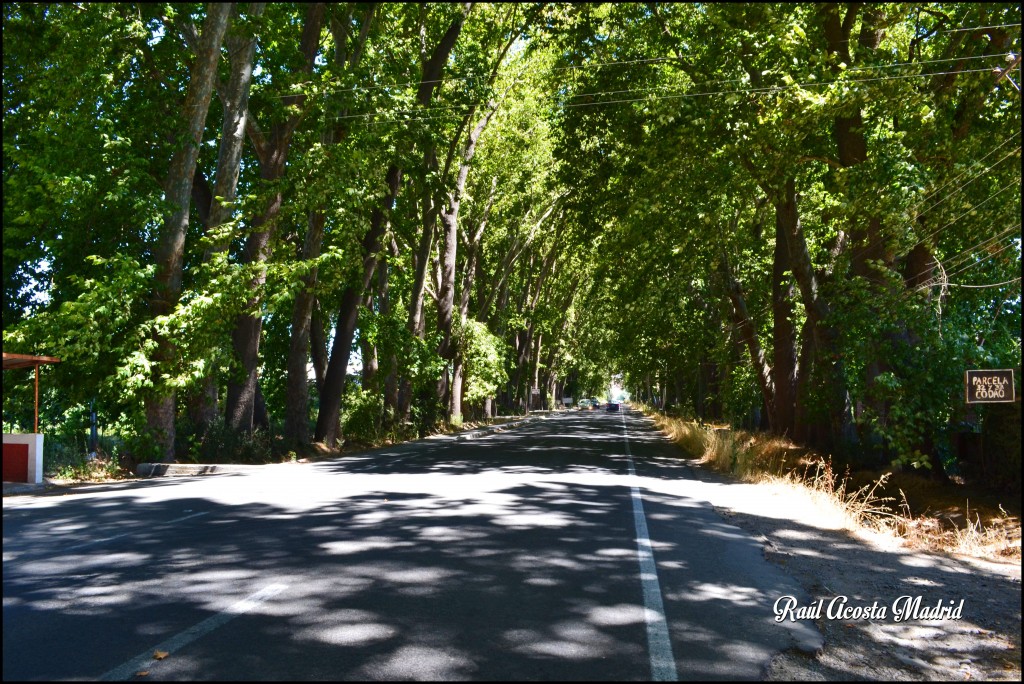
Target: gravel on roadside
(838,567)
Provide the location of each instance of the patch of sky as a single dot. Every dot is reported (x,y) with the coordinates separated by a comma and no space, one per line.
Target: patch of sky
(156,32)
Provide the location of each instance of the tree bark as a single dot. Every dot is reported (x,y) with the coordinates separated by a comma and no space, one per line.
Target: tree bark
(826,337)
(272,154)
(327,425)
(450,241)
(468,277)
(748,335)
(296,426)
(219,203)
(160,404)
(784,338)
(297,384)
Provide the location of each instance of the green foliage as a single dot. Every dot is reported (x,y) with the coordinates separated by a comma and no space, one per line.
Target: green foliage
(485,358)
(363,416)
(221,444)
(619,190)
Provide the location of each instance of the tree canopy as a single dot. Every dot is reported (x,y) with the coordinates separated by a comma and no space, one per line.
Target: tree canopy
(337,221)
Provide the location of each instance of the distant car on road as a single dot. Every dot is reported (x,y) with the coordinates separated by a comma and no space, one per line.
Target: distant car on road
(613,406)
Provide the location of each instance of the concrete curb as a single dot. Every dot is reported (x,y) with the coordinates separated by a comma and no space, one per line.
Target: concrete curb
(185,469)
(491,429)
(16,488)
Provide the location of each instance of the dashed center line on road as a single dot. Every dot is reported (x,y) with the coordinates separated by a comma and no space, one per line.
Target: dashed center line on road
(142,661)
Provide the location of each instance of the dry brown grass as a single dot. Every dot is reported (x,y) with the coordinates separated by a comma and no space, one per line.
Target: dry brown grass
(929,519)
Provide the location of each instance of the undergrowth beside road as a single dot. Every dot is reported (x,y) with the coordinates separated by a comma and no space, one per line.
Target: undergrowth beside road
(924,515)
(67,464)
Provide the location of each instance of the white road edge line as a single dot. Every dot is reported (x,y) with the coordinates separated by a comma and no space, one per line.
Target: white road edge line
(659,645)
(144,660)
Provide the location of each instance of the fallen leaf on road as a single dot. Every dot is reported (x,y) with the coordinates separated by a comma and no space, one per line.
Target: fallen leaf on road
(142,673)
(160,655)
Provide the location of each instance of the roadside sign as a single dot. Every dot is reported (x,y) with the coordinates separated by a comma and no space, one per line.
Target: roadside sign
(535,391)
(989,386)
(567,401)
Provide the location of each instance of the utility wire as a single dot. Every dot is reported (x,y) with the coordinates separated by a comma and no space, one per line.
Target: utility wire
(746,79)
(968,211)
(737,91)
(979,28)
(962,256)
(981,261)
(996,193)
(640,90)
(965,171)
(985,287)
(947,196)
(650,60)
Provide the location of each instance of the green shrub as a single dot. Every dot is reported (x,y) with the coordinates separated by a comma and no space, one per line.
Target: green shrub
(222,444)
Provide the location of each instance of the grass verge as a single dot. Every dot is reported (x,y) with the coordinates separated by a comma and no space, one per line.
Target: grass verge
(922,515)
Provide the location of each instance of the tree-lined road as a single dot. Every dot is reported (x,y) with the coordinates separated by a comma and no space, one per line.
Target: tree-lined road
(521,555)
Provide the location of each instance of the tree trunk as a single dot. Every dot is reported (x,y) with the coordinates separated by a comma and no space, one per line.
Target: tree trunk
(368,350)
(450,241)
(748,335)
(433,71)
(801,423)
(296,425)
(160,404)
(241,48)
(297,392)
(826,337)
(327,422)
(272,154)
(245,338)
(784,338)
(318,345)
(414,322)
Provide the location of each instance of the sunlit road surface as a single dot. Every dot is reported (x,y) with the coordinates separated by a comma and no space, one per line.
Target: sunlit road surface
(573,548)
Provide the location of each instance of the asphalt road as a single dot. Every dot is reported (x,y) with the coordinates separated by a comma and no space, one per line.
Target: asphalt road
(572,548)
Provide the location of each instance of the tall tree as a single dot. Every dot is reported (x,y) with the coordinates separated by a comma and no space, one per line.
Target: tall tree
(327,427)
(272,152)
(160,404)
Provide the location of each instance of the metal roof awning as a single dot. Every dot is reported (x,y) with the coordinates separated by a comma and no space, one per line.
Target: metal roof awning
(12,361)
(26,361)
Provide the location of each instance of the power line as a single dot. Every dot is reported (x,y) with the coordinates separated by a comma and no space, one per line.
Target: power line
(677,96)
(979,28)
(983,287)
(959,176)
(745,79)
(981,261)
(972,208)
(971,249)
(774,89)
(642,61)
(962,256)
(946,197)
